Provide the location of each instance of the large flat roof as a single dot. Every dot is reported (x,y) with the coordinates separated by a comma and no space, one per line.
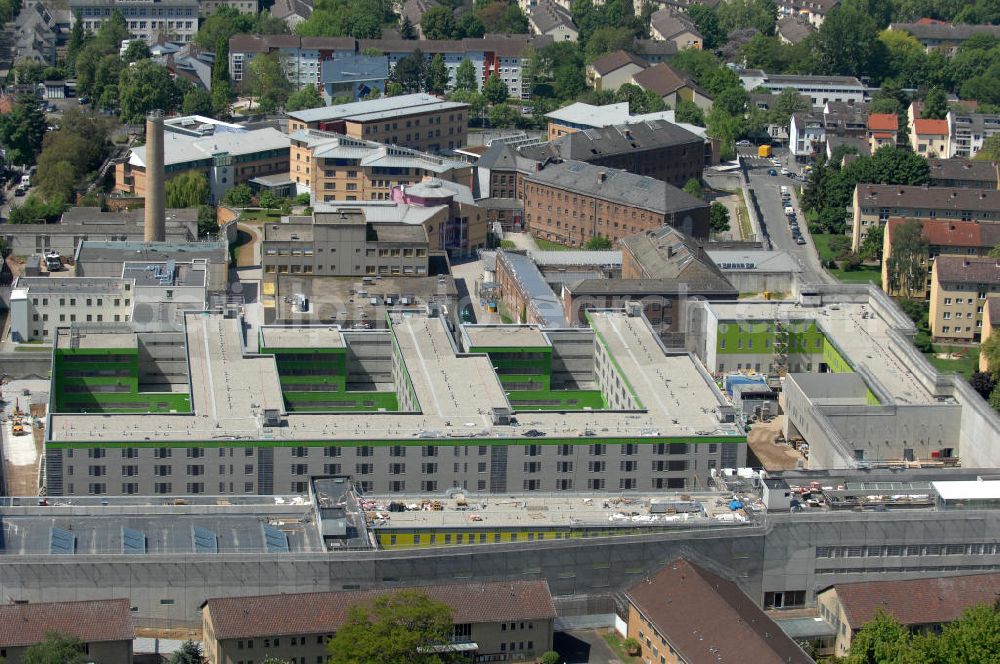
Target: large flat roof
(276,336)
(376,109)
(529,336)
(455,393)
(968,489)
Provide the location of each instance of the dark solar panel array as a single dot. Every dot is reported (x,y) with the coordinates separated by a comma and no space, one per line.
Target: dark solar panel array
(275,540)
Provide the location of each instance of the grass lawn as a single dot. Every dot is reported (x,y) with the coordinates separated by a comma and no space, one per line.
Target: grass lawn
(864,274)
(507,244)
(614,642)
(966,365)
(548,245)
(32,348)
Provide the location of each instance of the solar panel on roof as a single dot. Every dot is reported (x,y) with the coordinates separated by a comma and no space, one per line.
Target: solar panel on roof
(63,542)
(205,541)
(275,540)
(133,541)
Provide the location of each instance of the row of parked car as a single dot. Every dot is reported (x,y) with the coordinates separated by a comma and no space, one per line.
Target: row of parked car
(793,223)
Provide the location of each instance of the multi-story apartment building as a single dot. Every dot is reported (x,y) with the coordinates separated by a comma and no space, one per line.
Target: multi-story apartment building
(960,286)
(493,622)
(944,37)
(968,131)
(176,20)
(571,202)
(226,159)
(814,11)
(40,305)
(969,173)
(961,238)
(332,167)
(874,204)
(419,121)
(341,242)
(209,7)
(504,56)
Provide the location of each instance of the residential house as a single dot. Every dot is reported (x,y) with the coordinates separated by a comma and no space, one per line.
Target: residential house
(959,288)
(571,202)
(882,128)
(968,173)
(292,12)
(672,86)
(670,25)
(968,131)
(611,71)
(846,119)
(685,614)
(793,29)
(813,11)
(806,133)
(552,19)
(494,621)
(929,138)
(876,203)
(332,167)
(418,121)
(920,605)
(944,37)
(104,626)
(857,147)
(654,51)
(944,236)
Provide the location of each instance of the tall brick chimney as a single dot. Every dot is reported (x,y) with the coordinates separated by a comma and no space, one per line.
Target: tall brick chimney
(155,218)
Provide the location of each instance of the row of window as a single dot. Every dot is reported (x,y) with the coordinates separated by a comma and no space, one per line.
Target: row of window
(897,550)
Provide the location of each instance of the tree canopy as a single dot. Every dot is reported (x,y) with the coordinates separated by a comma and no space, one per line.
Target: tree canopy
(401,627)
(306,98)
(57,648)
(22,130)
(189,189)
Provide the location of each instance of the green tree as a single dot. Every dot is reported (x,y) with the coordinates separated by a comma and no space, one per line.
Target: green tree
(740,14)
(608,40)
(785,103)
(550,657)
(990,349)
(238,196)
(222,24)
(693,187)
(469,25)
(197,101)
(409,73)
(437,76)
(495,90)
(994,399)
(718,218)
(143,87)
(208,223)
(406,29)
(306,98)
(402,627)
(29,72)
(596,243)
(57,648)
(503,17)
(871,243)
(188,653)
(847,43)
(222,92)
(476,102)
(268,200)
(57,180)
(504,116)
(137,50)
(882,640)
(187,190)
(22,130)
(113,31)
(689,113)
(991,149)
(906,265)
(707,22)
(465,76)
(982,381)
(639,100)
(935,105)
(438,23)
(77,36)
(265,80)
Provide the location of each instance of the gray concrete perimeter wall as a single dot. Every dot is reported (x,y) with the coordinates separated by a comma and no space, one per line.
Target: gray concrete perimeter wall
(26,364)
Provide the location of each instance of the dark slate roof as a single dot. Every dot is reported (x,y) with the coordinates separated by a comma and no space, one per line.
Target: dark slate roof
(621,139)
(667,253)
(91,621)
(953,199)
(669,23)
(645,287)
(946,31)
(324,612)
(794,28)
(284,8)
(708,619)
(617,186)
(964,169)
(653,47)
(614,61)
(967,269)
(662,79)
(547,16)
(918,601)
(415,9)
(993,308)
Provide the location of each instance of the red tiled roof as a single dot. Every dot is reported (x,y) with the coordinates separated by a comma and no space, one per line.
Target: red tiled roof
(91,621)
(708,619)
(945,233)
(324,612)
(926,127)
(883,122)
(882,134)
(917,602)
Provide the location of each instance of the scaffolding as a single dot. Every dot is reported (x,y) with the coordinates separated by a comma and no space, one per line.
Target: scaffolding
(779,361)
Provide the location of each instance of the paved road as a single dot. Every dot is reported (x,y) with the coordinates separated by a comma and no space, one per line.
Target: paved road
(768,191)
(583,647)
